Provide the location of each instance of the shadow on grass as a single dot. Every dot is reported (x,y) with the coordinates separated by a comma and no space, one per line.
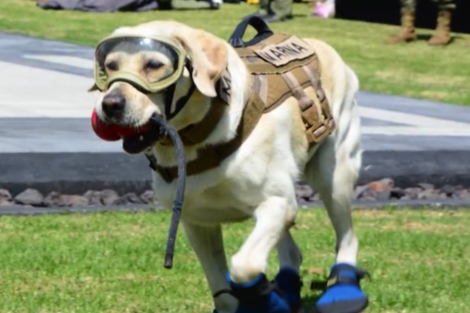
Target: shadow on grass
(426,37)
(308,303)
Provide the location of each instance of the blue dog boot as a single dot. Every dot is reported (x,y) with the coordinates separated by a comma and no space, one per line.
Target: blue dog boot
(343,292)
(258,296)
(289,283)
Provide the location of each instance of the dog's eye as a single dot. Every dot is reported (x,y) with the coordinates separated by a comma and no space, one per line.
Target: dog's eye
(112,66)
(153,65)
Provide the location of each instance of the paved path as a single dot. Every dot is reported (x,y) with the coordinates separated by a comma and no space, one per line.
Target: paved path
(44,106)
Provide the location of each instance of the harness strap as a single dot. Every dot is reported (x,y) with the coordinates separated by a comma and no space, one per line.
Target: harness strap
(196,133)
(324,104)
(210,157)
(317,128)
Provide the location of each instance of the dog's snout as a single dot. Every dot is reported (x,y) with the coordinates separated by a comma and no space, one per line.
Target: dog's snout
(113,104)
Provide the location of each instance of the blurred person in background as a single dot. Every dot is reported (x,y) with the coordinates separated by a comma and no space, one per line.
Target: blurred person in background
(325,9)
(441,35)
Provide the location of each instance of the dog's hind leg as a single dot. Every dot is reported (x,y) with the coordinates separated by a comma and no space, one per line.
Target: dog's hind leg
(207,243)
(247,277)
(288,252)
(333,172)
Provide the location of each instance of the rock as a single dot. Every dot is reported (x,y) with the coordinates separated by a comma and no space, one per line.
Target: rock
(381,185)
(428,194)
(412,193)
(442,195)
(94,197)
(30,197)
(315,197)
(359,191)
(6,202)
(368,193)
(448,189)
(397,193)
(54,199)
(128,198)
(462,194)
(108,197)
(304,192)
(148,197)
(5,195)
(74,200)
(426,186)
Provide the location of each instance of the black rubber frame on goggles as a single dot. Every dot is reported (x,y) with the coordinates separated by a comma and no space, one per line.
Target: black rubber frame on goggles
(181,102)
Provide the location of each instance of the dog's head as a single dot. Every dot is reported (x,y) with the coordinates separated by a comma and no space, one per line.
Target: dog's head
(144,70)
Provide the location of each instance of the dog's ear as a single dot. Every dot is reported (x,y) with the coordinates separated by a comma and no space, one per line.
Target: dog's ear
(208,55)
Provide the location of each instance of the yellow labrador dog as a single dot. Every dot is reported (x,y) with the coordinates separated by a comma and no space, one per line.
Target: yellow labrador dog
(140,63)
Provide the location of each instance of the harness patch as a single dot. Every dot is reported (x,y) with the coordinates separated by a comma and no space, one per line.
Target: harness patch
(284,52)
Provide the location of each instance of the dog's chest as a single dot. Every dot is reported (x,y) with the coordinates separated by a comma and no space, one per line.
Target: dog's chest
(221,204)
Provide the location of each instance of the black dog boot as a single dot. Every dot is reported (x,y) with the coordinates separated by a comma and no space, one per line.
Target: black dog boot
(257,296)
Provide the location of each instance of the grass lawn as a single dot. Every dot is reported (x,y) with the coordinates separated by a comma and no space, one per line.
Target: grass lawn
(415,70)
(112,262)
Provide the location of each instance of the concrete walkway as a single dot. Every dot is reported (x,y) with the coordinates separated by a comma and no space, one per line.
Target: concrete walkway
(45,108)
(45,103)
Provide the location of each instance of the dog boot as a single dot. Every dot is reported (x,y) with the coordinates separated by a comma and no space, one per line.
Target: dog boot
(441,36)
(343,292)
(289,283)
(407,32)
(257,296)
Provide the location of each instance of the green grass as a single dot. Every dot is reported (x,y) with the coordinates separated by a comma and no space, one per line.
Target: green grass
(414,70)
(112,262)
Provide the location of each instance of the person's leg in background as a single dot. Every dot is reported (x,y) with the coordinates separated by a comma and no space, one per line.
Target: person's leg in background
(263,8)
(407,32)
(280,10)
(441,36)
(275,10)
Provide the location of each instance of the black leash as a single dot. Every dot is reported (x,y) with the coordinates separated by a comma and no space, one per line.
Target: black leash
(180,187)
(162,123)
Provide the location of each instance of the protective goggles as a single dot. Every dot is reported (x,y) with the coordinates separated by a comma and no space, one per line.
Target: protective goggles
(135,44)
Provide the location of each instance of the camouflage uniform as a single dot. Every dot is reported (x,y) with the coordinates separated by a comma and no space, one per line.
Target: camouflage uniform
(441,4)
(275,10)
(441,34)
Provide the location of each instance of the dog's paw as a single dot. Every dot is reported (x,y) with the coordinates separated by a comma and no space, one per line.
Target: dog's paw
(343,292)
(289,283)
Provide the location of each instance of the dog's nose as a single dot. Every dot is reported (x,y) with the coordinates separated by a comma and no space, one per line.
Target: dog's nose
(113,104)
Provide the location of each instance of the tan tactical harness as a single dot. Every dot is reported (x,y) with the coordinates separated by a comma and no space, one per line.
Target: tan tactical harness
(281,66)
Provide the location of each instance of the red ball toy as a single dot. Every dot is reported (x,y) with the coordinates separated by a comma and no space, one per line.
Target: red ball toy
(113,132)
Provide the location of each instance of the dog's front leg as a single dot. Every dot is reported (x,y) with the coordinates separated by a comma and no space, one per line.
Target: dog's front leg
(207,243)
(247,276)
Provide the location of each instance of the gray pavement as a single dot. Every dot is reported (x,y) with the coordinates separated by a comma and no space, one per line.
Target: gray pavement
(45,108)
